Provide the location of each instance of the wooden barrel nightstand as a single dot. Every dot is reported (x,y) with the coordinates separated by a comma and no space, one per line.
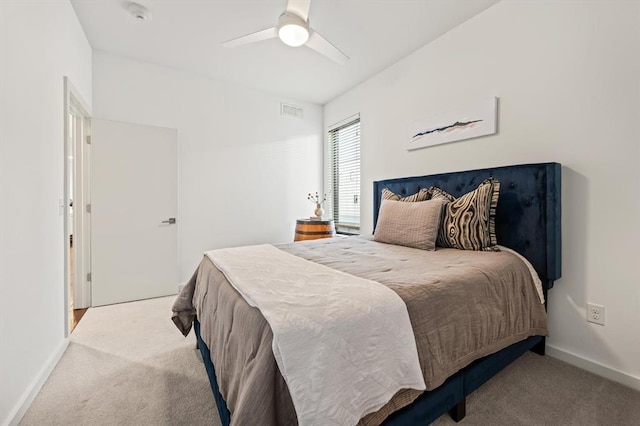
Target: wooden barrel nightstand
(310,229)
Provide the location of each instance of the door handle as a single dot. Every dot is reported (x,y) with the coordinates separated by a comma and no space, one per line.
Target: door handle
(170,221)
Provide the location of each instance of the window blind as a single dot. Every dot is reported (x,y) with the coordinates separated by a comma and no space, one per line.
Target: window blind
(344,175)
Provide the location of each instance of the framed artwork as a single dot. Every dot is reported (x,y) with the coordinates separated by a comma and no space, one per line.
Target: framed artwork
(469,121)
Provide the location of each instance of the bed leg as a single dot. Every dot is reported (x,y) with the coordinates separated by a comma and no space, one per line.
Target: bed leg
(458,412)
(538,348)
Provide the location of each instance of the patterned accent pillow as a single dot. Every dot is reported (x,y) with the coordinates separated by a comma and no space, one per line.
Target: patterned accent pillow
(421,195)
(409,224)
(468,222)
(435,193)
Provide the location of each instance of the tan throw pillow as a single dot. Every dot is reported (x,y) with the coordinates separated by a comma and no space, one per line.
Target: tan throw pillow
(421,195)
(409,224)
(468,222)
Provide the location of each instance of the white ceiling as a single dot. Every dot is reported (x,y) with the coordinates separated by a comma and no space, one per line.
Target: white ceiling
(186,35)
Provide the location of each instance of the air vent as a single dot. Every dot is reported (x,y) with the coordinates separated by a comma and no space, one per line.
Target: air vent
(291,110)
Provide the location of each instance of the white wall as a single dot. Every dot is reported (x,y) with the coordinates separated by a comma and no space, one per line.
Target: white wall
(568,78)
(40,43)
(244,170)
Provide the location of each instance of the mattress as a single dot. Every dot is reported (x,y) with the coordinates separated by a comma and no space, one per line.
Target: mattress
(463,305)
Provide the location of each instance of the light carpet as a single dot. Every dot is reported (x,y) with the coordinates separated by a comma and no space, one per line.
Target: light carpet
(127,364)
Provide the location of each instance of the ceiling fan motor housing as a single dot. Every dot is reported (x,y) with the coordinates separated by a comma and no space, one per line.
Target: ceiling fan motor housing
(293,30)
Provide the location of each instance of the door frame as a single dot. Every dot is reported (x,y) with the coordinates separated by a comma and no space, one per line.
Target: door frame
(73,102)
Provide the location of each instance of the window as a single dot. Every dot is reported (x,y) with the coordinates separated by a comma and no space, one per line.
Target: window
(344,175)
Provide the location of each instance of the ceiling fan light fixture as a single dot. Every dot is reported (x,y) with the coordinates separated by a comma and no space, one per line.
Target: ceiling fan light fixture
(292,29)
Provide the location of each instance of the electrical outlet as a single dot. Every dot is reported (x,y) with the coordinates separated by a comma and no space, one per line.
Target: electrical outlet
(595,313)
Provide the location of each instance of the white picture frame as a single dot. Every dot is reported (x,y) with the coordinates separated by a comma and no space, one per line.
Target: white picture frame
(469,121)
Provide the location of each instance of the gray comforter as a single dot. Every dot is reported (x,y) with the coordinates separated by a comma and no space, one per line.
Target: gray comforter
(463,305)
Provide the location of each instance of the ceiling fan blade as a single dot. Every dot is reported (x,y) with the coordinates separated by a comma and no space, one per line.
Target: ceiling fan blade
(322,45)
(252,38)
(299,7)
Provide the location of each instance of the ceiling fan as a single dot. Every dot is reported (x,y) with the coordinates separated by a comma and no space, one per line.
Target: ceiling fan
(293,30)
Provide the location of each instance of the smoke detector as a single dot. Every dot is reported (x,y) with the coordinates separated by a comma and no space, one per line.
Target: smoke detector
(139,12)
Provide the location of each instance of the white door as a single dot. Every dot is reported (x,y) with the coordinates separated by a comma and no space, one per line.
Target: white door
(133,200)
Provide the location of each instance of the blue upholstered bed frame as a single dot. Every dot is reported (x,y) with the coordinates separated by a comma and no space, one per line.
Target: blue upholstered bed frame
(527,220)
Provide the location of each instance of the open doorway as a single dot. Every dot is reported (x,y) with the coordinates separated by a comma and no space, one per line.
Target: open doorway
(77,208)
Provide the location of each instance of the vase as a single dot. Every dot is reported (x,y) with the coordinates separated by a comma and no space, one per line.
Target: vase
(318,211)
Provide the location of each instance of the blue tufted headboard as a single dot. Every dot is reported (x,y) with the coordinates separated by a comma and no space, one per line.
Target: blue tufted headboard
(528,212)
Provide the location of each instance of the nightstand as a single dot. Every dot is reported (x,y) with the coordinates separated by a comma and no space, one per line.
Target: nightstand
(312,229)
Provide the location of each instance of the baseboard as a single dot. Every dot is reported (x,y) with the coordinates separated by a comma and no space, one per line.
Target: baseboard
(594,367)
(30,393)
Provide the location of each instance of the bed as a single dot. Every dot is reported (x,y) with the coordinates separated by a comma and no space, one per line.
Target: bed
(527,220)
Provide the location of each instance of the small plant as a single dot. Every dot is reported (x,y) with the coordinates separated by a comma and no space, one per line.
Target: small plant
(315,199)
